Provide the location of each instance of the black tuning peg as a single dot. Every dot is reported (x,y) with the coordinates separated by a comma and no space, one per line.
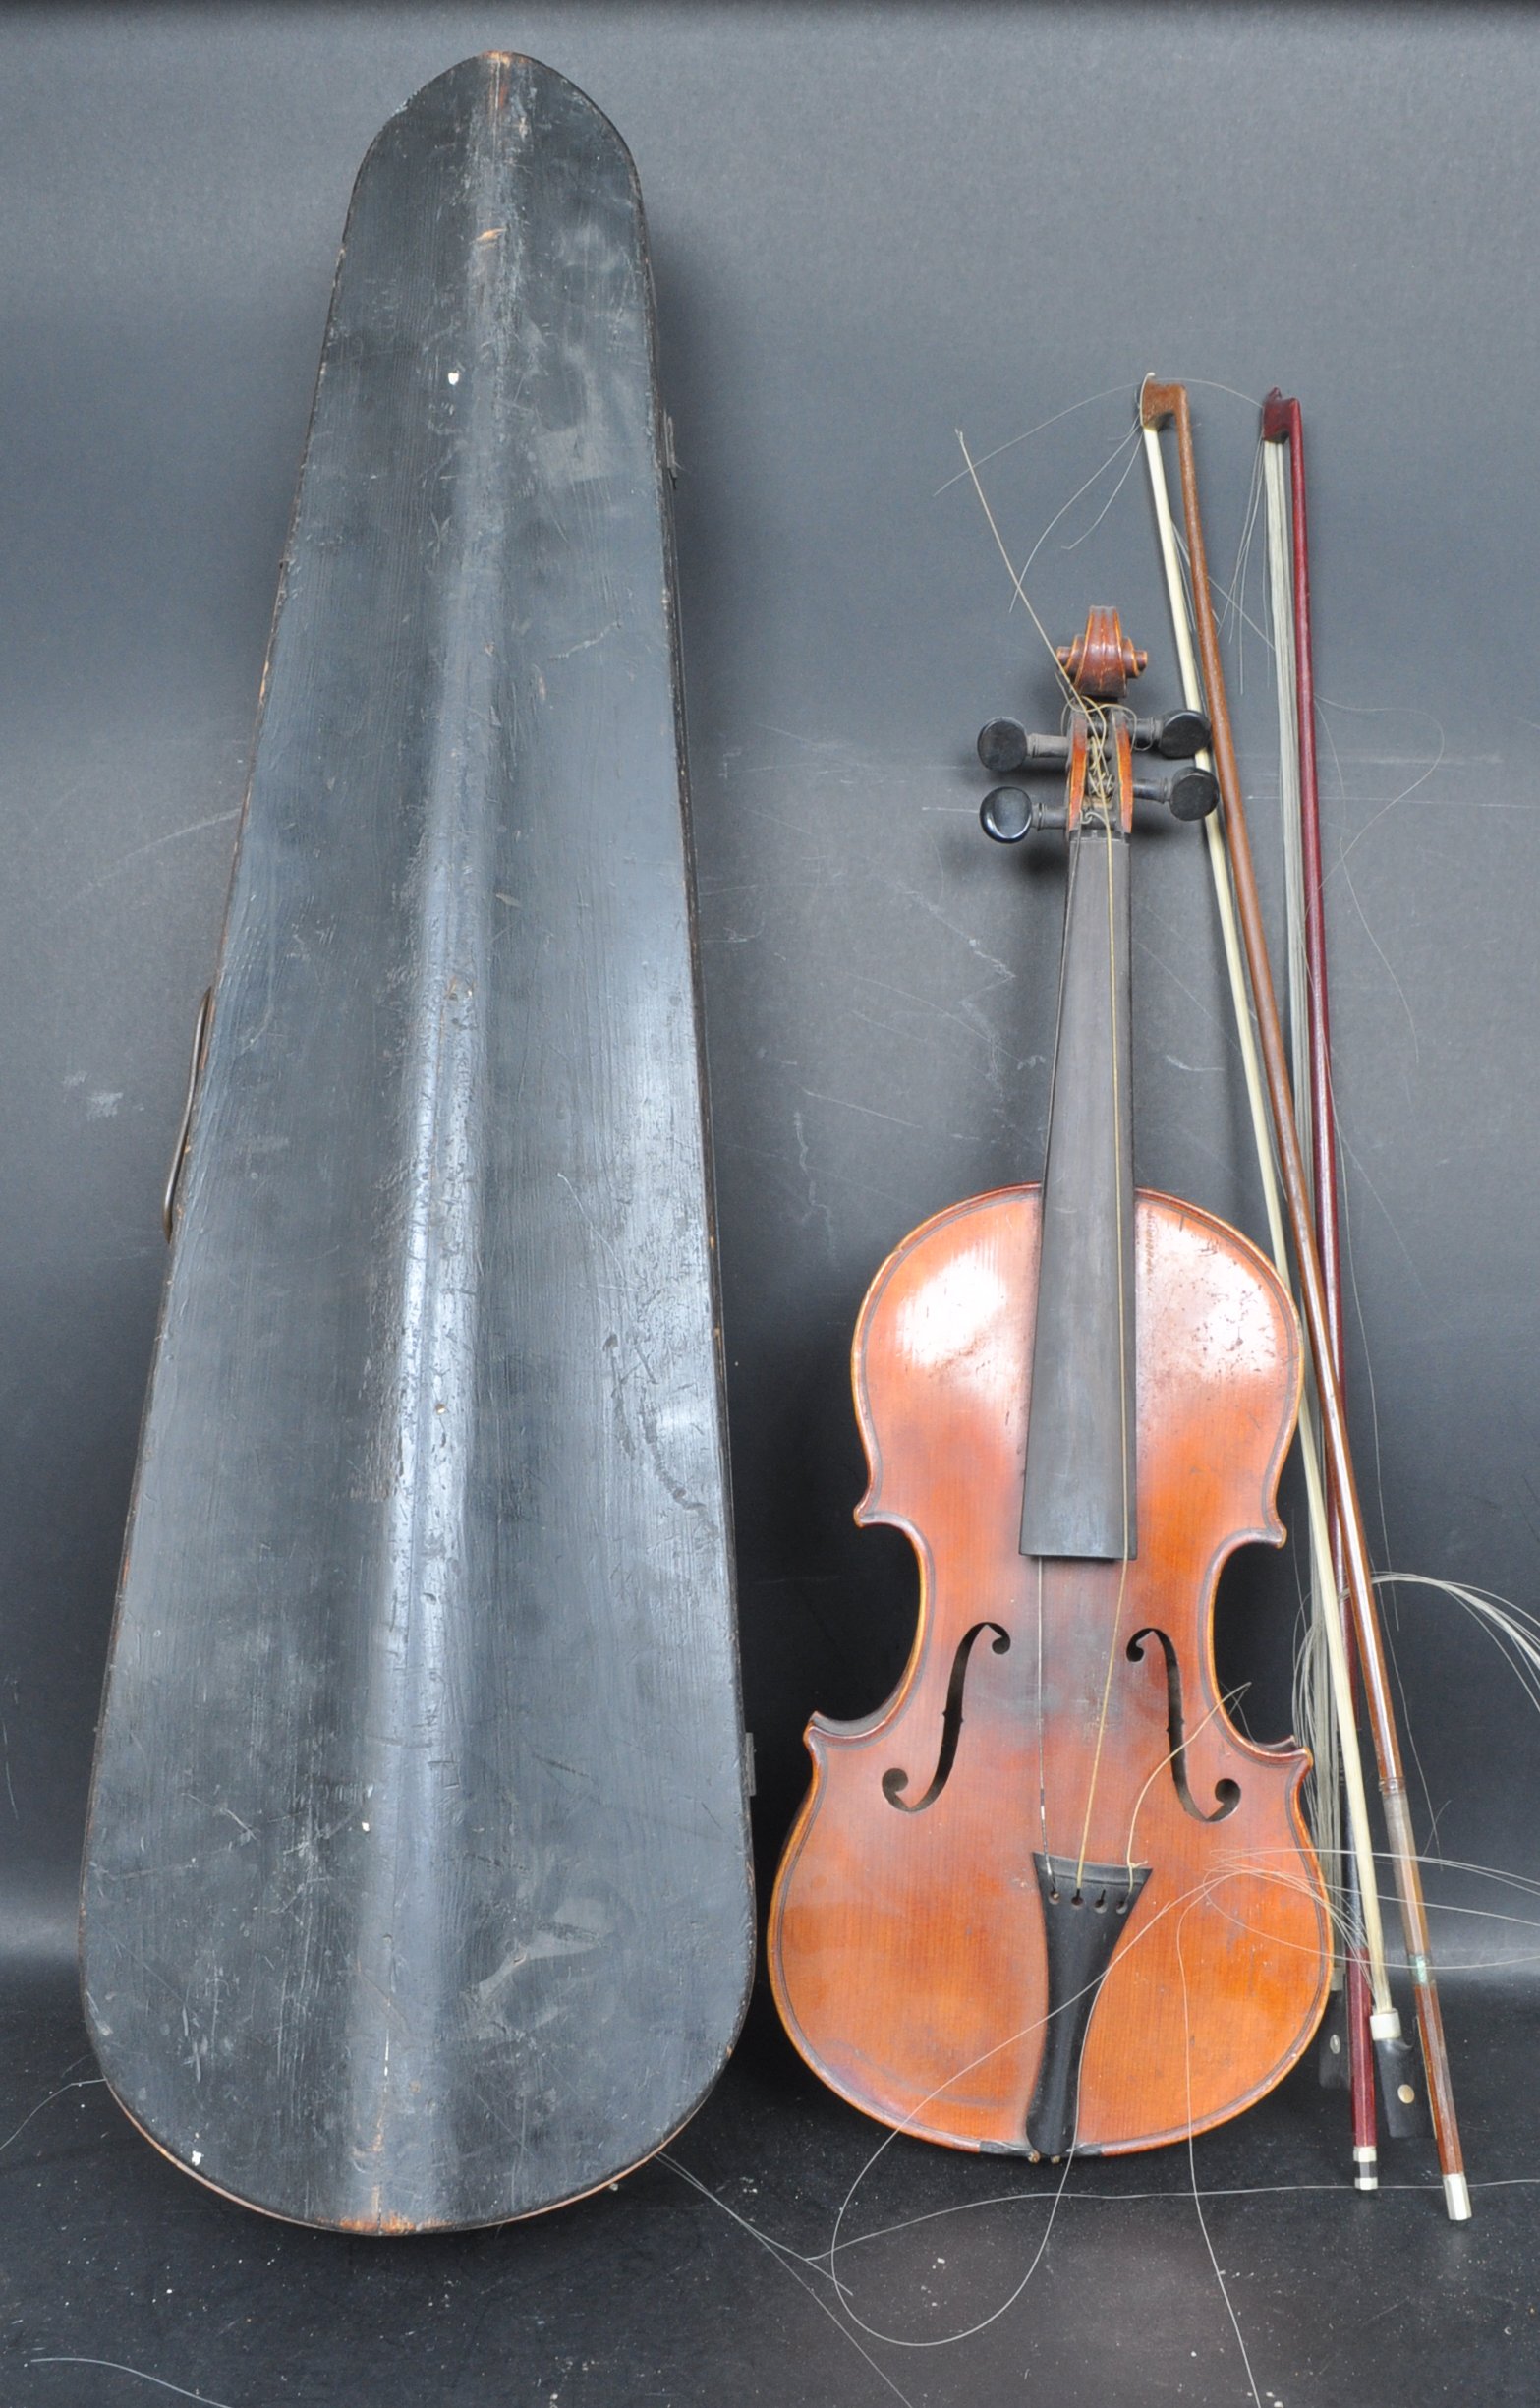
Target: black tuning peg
(1190,796)
(1176,737)
(1004,747)
(1010,812)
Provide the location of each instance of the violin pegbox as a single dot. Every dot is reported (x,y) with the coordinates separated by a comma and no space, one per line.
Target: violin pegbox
(1099,666)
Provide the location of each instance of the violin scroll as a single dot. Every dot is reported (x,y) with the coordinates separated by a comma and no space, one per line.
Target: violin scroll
(1098,665)
(1101,661)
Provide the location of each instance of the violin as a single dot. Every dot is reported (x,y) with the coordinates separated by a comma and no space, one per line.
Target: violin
(1050,1898)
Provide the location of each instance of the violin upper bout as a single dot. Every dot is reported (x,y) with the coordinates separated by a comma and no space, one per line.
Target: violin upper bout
(1221,1370)
(941,1362)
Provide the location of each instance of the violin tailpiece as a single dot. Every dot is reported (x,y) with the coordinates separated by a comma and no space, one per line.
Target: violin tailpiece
(1085,1913)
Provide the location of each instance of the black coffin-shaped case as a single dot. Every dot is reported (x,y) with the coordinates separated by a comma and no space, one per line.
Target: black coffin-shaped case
(417,1887)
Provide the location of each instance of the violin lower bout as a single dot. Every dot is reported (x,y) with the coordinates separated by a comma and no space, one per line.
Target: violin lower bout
(907,1941)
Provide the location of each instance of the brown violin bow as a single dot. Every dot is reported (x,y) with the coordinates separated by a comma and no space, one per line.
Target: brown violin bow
(1283,425)
(1159,404)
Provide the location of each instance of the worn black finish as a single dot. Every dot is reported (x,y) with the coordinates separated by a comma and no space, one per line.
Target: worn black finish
(1079,1495)
(416,1888)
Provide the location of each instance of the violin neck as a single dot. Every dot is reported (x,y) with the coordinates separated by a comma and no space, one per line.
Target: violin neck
(1079,1496)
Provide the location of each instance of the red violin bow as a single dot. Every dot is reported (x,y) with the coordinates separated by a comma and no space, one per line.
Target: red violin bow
(1282,423)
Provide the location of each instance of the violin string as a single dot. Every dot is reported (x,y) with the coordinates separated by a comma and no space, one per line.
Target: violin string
(1063,513)
(1221,1705)
(1130,445)
(1119,2198)
(1098,732)
(1200,1894)
(1042,1741)
(1208,2194)
(779,2252)
(1021,591)
(1192,2175)
(114,2367)
(1098,751)
(1129,442)
(1109,392)
(969,2333)
(1107,783)
(1002,547)
(1071,878)
(825,2262)
(88,2082)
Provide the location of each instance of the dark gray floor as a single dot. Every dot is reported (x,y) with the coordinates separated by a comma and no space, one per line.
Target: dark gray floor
(656,2292)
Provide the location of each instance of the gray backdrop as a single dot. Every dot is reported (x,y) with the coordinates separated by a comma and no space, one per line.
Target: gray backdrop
(872,227)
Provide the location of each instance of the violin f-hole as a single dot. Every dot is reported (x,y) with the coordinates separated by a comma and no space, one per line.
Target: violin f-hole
(896,1781)
(1227,1791)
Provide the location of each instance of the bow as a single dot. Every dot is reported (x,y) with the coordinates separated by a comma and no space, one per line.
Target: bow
(1230,858)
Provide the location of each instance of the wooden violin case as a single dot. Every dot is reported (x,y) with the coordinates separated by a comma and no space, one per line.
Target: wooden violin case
(416,1888)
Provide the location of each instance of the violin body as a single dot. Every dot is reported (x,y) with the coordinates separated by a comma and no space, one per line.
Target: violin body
(908,1947)
(1049,1897)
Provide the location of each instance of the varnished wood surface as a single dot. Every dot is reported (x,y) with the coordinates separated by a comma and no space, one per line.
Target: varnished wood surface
(416,1888)
(907,1947)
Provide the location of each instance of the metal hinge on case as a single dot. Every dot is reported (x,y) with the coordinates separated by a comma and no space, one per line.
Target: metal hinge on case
(750,1779)
(168,1202)
(670,455)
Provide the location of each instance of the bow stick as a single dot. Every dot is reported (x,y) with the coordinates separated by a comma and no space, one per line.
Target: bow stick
(1311,1030)
(1384,2021)
(1159,403)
